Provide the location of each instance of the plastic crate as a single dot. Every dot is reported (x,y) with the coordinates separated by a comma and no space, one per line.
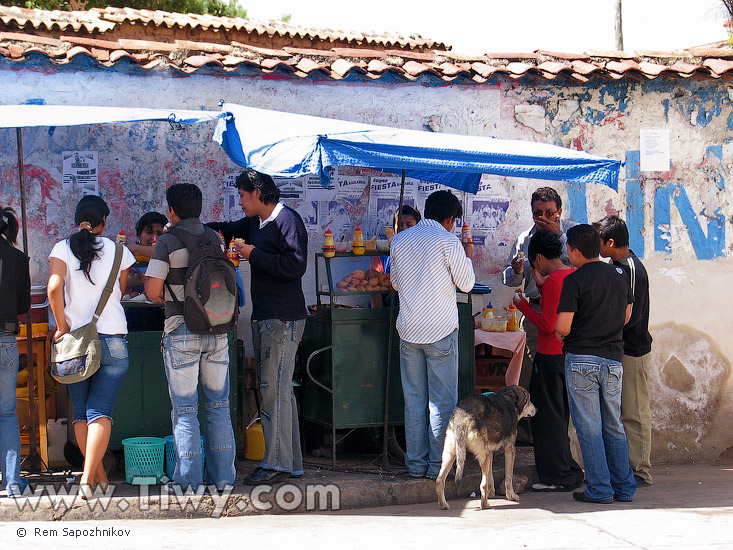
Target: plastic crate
(171,457)
(144,460)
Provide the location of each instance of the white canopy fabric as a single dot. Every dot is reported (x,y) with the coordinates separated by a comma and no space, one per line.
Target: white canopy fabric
(29,116)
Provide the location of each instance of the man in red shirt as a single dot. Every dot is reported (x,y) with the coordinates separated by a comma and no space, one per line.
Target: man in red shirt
(555,465)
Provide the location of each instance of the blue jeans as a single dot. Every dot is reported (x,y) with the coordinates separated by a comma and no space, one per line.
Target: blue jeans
(95,397)
(594,395)
(9,432)
(275,345)
(191,359)
(430,386)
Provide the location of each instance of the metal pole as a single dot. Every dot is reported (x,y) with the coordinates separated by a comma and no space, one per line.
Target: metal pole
(33,459)
(385,454)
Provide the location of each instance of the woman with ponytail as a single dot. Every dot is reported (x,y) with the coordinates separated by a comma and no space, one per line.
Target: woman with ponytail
(15,299)
(80,267)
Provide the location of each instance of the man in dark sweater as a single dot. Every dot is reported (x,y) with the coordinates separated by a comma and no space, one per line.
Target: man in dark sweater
(635,409)
(275,243)
(595,303)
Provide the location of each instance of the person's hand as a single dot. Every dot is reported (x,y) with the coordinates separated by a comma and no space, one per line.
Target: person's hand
(61,329)
(518,297)
(244,249)
(469,249)
(552,225)
(518,264)
(539,279)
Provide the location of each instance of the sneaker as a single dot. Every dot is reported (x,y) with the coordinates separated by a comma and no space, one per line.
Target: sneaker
(582,497)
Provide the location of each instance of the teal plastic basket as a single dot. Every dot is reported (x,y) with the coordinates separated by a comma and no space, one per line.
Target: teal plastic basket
(144,460)
(171,457)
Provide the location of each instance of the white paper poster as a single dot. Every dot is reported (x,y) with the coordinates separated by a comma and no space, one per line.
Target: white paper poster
(350,187)
(291,188)
(230,195)
(654,146)
(487,209)
(315,189)
(81,171)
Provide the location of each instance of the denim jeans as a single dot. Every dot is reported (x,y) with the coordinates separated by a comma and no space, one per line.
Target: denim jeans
(275,345)
(594,393)
(9,432)
(430,386)
(95,397)
(191,359)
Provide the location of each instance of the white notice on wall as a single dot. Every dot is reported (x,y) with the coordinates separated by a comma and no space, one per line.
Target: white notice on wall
(654,150)
(81,171)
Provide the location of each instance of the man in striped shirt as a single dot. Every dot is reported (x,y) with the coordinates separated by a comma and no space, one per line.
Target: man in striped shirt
(191,359)
(428,263)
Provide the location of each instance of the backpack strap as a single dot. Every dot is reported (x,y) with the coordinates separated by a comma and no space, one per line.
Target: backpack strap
(111,280)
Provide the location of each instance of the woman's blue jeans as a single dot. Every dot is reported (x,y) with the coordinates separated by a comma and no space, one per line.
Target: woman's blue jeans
(275,345)
(9,431)
(594,395)
(95,397)
(192,360)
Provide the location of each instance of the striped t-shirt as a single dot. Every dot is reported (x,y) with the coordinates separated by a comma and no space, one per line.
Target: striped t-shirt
(170,263)
(427,264)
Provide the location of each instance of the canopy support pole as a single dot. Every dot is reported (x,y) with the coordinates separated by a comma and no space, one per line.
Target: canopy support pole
(385,435)
(33,461)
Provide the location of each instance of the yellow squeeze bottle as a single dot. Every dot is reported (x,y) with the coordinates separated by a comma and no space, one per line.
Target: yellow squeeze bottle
(512,324)
(329,248)
(489,311)
(358,245)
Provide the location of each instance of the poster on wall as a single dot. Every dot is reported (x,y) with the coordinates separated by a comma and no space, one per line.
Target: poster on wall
(487,209)
(291,188)
(384,201)
(81,171)
(230,195)
(334,215)
(654,150)
(315,190)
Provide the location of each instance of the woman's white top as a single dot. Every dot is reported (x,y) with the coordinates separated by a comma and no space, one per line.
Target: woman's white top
(81,297)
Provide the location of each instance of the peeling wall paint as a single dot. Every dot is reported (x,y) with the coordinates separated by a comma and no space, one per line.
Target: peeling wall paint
(679,220)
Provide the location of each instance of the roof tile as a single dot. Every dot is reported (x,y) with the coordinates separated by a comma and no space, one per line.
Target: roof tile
(203,46)
(512,56)
(200,60)
(32,38)
(119,54)
(358,52)
(653,69)
(76,50)
(311,52)
(568,56)
(415,69)
(585,68)
(93,42)
(718,66)
(553,67)
(262,51)
(16,52)
(622,66)
(148,45)
(307,65)
(378,66)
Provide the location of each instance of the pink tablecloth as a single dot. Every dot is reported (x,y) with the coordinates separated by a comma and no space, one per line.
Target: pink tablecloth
(512,341)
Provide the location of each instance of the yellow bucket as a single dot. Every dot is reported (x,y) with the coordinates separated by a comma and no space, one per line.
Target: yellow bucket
(254,441)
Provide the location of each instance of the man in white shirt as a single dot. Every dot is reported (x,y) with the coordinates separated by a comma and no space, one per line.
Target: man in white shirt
(428,263)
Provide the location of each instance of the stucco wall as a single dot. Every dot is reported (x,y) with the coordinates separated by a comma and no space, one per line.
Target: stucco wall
(680,221)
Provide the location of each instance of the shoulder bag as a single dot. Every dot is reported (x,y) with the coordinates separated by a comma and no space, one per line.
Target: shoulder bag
(76,355)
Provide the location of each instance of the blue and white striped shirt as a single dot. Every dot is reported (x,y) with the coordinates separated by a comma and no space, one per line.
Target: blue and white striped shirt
(428,263)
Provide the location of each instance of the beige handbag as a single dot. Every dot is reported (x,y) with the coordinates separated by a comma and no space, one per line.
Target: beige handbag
(76,355)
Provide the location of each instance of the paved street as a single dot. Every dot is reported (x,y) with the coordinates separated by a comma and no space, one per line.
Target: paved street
(690,506)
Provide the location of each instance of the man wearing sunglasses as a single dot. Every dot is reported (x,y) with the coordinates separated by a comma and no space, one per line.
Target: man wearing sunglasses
(546,213)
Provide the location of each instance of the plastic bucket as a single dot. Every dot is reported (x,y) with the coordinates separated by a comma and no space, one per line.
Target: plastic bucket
(39,306)
(144,460)
(254,441)
(171,457)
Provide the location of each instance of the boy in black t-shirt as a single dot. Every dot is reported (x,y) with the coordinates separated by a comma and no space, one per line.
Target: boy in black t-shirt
(595,303)
(635,413)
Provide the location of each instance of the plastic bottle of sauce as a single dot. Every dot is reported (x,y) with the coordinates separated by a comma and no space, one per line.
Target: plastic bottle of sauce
(121,237)
(489,311)
(466,237)
(512,324)
(358,245)
(232,254)
(329,248)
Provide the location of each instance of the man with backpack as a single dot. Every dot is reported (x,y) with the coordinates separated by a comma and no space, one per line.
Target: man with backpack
(276,246)
(200,308)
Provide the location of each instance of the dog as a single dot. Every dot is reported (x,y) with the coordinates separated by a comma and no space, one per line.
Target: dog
(484,424)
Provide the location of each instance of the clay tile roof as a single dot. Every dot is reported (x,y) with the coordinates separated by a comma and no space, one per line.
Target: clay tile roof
(718,66)
(57,38)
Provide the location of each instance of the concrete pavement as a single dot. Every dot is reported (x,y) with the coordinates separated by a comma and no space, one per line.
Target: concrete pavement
(689,506)
(359,486)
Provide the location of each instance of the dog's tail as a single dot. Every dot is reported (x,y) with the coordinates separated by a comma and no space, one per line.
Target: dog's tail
(461,434)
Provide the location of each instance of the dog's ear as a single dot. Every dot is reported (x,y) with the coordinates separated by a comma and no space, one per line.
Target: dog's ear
(522,397)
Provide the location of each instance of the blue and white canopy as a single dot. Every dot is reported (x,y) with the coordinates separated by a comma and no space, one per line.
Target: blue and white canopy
(27,116)
(290,145)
